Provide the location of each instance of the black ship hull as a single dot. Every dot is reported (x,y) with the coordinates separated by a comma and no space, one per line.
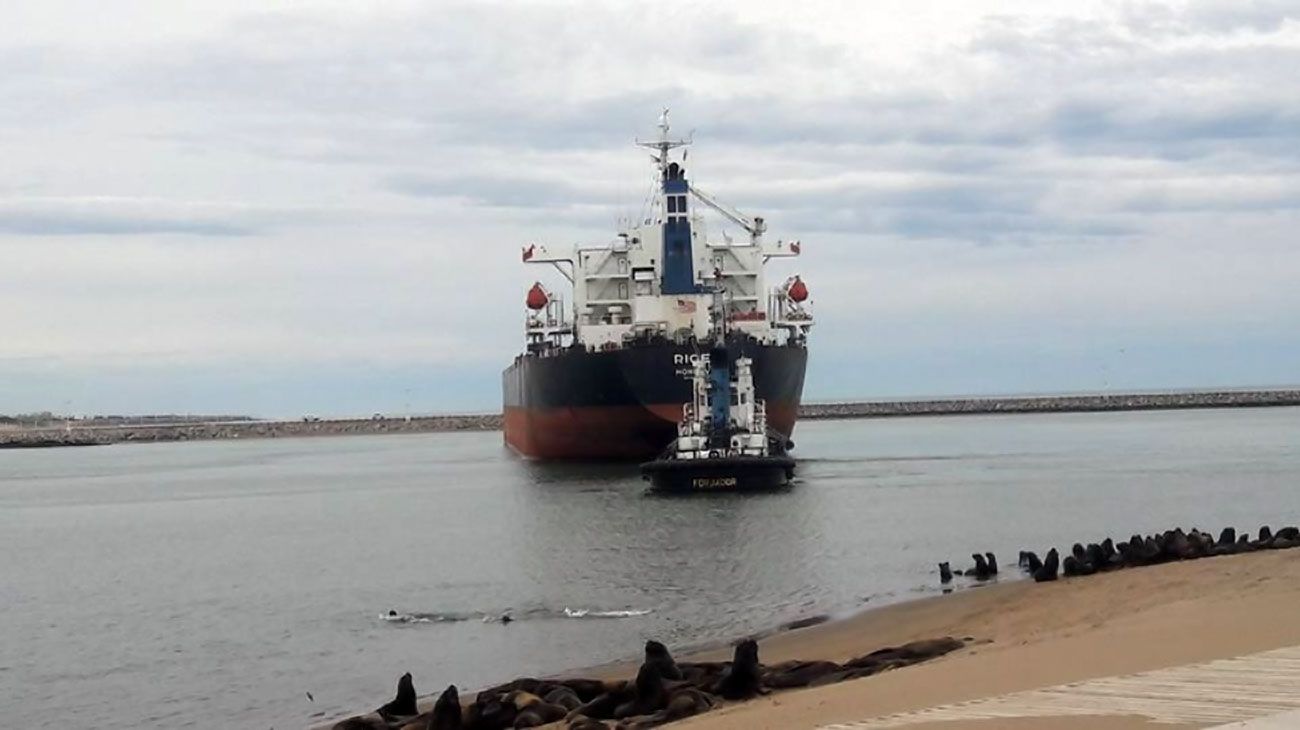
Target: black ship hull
(625,403)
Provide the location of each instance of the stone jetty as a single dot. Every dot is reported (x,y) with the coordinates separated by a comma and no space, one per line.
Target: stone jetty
(77,433)
(1054,404)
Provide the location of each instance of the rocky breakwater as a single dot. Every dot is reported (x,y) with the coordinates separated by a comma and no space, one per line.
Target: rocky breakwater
(1055,404)
(39,440)
(203,431)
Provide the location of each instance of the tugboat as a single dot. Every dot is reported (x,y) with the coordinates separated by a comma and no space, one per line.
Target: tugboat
(723,442)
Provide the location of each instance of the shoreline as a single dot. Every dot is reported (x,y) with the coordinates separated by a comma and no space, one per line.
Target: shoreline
(76,435)
(1026,636)
(783,642)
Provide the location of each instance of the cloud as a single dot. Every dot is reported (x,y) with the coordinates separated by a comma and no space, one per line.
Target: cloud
(129,216)
(364,177)
(511,192)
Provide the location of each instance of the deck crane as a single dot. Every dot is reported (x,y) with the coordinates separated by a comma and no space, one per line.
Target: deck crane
(756,226)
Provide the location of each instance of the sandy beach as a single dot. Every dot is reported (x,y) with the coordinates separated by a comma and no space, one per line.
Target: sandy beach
(1039,635)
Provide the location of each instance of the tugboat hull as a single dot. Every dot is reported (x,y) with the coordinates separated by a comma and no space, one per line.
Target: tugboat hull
(724,474)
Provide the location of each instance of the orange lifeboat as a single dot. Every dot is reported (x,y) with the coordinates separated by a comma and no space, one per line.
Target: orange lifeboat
(798,291)
(537,298)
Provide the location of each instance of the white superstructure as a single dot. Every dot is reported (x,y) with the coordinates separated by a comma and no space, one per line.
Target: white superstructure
(658,277)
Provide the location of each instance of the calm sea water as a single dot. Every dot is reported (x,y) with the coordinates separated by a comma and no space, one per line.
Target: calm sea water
(215,584)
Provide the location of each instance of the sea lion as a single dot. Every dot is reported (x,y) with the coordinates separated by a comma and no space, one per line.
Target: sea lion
(490,713)
(898,656)
(651,695)
(1079,553)
(1178,547)
(564,697)
(1031,562)
(586,723)
(909,653)
(992,563)
(803,623)
(446,714)
(1226,544)
(743,679)
(1071,567)
(657,655)
(945,573)
(1047,572)
(531,711)
(403,705)
(1200,542)
(527,684)
(586,689)
(604,705)
(981,570)
(1153,550)
(1136,548)
(799,673)
(1287,537)
(1096,557)
(1265,539)
(702,674)
(686,702)
(1122,557)
(1117,558)
(361,723)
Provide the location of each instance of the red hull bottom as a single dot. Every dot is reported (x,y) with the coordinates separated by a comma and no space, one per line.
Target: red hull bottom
(607,432)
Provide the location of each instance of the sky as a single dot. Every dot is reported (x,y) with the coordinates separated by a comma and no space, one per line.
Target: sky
(288,208)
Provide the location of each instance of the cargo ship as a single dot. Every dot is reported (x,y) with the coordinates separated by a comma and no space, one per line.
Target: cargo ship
(608,376)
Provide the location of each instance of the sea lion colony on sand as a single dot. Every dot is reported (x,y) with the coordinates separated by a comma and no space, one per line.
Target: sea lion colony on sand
(1137,551)
(662,692)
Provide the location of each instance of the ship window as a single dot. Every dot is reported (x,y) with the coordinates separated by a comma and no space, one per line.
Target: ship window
(672,203)
(622,290)
(681,203)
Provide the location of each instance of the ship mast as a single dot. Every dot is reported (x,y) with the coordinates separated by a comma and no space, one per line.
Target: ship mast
(664,144)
